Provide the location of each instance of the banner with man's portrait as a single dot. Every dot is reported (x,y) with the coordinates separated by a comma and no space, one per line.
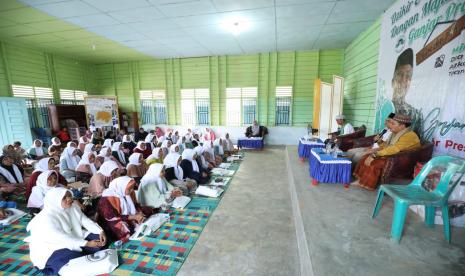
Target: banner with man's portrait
(421,70)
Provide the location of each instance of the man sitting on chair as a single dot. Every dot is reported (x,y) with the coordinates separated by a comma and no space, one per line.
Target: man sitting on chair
(369,168)
(344,127)
(255,130)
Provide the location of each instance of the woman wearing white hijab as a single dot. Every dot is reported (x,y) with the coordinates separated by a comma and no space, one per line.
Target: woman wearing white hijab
(205,165)
(56,141)
(191,168)
(37,151)
(46,181)
(61,232)
(69,161)
(209,154)
(44,164)
(151,140)
(175,175)
(118,209)
(228,146)
(156,157)
(218,147)
(89,148)
(128,144)
(100,181)
(143,149)
(154,190)
(117,152)
(104,156)
(136,167)
(107,143)
(86,167)
(165,146)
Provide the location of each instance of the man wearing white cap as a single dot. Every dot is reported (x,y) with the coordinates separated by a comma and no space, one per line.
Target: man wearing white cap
(344,127)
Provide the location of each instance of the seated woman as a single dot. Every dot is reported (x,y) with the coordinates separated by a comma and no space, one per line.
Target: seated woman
(142,149)
(56,141)
(154,190)
(181,144)
(191,168)
(17,158)
(209,135)
(155,157)
(11,175)
(37,151)
(118,154)
(90,148)
(136,167)
(61,232)
(55,152)
(175,137)
(218,148)
(209,154)
(83,141)
(107,143)
(175,175)
(165,147)
(119,211)
(369,168)
(44,164)
(228,145)
(201,159)
(100,180)
(45,182)
(128,144)
(151,141)
(86,167)
(69,161)
(105,155)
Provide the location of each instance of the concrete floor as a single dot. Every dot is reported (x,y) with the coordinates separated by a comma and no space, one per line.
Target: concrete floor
(252,232)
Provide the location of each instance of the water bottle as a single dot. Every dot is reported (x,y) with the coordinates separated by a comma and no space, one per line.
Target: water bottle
(334,153)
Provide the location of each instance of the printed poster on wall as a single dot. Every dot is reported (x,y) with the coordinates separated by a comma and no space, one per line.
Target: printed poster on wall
(421,70)
(101,112)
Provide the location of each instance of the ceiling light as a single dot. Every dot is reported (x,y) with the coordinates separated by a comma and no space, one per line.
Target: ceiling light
(235,26)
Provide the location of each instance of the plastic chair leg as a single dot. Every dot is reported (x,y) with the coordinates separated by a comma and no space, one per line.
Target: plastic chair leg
(430,213)
(398,219)
(445,218)
(378,204)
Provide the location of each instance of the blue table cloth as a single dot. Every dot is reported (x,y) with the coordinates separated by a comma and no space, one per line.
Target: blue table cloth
(251,143)
(326,169)
(305,147)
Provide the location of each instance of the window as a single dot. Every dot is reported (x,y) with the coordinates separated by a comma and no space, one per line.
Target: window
(283,105)
(195,106)
(241,105)
(37,100)
(75,97)
(153,106)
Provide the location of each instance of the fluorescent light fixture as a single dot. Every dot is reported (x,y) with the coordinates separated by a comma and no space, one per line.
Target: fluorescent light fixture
(235,25)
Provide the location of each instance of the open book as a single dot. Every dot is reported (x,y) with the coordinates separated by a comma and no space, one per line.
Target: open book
(77,185)
(209,192)
(12,216)
(221,172)
(225,165)
(150,225)
(181,202)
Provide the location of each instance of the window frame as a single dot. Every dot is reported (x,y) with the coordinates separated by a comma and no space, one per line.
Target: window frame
(153,98)
(242,99)
(196,97)
(284,93)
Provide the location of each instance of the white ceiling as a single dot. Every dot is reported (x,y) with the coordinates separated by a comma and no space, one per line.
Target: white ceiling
(189,28)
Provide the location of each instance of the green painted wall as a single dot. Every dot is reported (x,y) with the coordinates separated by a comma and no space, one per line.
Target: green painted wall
(360,71)
(26,66)
(265,71)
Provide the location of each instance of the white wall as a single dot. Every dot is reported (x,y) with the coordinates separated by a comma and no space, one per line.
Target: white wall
(276,135)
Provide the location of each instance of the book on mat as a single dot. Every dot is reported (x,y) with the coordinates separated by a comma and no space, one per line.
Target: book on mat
(225,165)
(149,225)
(220,181)
(181,202)
(12,215)
(220,171)
(209,192)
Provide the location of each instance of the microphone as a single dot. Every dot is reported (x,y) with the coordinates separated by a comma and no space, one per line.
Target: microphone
(380,135)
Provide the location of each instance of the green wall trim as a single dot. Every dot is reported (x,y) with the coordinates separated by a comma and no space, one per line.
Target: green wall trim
(6,68)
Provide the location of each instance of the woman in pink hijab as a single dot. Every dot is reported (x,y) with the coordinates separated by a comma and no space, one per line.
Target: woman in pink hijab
(209,135)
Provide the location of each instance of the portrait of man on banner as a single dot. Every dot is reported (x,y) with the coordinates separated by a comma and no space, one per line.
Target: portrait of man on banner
(400,83)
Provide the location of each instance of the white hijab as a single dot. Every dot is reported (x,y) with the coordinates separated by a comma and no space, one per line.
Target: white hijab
(82,141)
(107,168)
(85,161)
(155,154)
(228,143)
(173,148)
(103,153)
(42,165)
(188,154)
(71,143)
(218,143)
(89,147)
(39,150)
(208,148)
(139,144)
(107,143)
(164,144)
(134,159)
(54,143)
(171,161)
(71,161)
(127,138)
(149,138)
(200,150)
(36,200)
(116,148)
(117,188)
(153,176)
